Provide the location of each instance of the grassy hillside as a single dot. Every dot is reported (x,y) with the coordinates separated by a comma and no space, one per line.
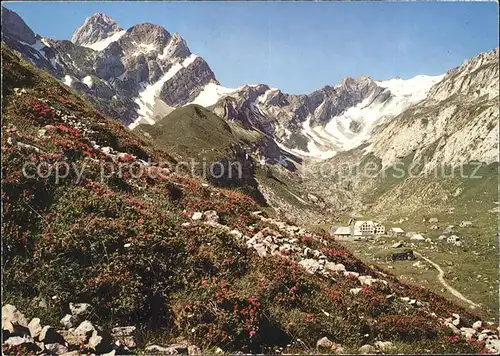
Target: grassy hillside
(200,138)
(192,131)
(207,146)
(127,245)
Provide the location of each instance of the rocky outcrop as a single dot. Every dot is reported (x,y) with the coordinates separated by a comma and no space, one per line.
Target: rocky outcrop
(85,337)
(284,115)
(13,26)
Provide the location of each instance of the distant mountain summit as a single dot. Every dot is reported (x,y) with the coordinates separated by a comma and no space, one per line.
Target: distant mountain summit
(97,32)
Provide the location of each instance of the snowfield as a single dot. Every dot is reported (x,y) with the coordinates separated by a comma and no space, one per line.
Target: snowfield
(148,100)
(211,93)
(88,81)
(102,44)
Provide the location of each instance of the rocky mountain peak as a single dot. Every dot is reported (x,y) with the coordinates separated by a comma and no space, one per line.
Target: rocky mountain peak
(95,28)
(14,26)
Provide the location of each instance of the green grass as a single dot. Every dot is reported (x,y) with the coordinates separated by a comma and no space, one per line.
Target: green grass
(192,132)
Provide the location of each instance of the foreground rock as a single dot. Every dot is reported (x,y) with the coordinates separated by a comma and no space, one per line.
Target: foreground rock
(86,338)
(367,349)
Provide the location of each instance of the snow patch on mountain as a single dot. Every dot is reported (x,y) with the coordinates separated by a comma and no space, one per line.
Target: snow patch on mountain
(88,81)
(355,125)
(210,94)
(102,44)
(143,48)
(407,92)
(148,97)
(67,80)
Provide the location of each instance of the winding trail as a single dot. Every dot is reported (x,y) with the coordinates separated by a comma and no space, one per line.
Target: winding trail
(446,285)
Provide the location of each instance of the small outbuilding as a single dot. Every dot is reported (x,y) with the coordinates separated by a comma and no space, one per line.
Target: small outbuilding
(417,237)
(342,231)
(396,232)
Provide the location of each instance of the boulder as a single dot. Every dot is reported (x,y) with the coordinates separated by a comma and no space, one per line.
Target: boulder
(67,321)
(433,220)
(385,346)
(80,310)
(403,255)
(11,317)
(466,224)
(417,237)
(355,290)
(235,233)
(337,349)
(84,331)
(367,349)
(482,337)
(71,353)
(311,265)
(261,249)
(197,216)
(100,342)
(351,274)
(20,345)
(34,327)
(449,230)
(49,335)
(468,333)
(70,337)
(211,216)
(324,343)
(194,350)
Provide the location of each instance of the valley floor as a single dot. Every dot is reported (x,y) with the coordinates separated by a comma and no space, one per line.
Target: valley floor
(473,276)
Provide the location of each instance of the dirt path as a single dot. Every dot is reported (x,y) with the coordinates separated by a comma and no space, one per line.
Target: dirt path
(446,285)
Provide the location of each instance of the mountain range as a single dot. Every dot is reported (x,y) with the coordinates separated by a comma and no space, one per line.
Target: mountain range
(141,74)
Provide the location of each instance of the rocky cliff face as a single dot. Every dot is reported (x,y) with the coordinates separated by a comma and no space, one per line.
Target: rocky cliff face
(459,119)
(290,118)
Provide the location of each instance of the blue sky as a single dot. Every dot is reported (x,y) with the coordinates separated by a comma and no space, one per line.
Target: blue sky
(299,46)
